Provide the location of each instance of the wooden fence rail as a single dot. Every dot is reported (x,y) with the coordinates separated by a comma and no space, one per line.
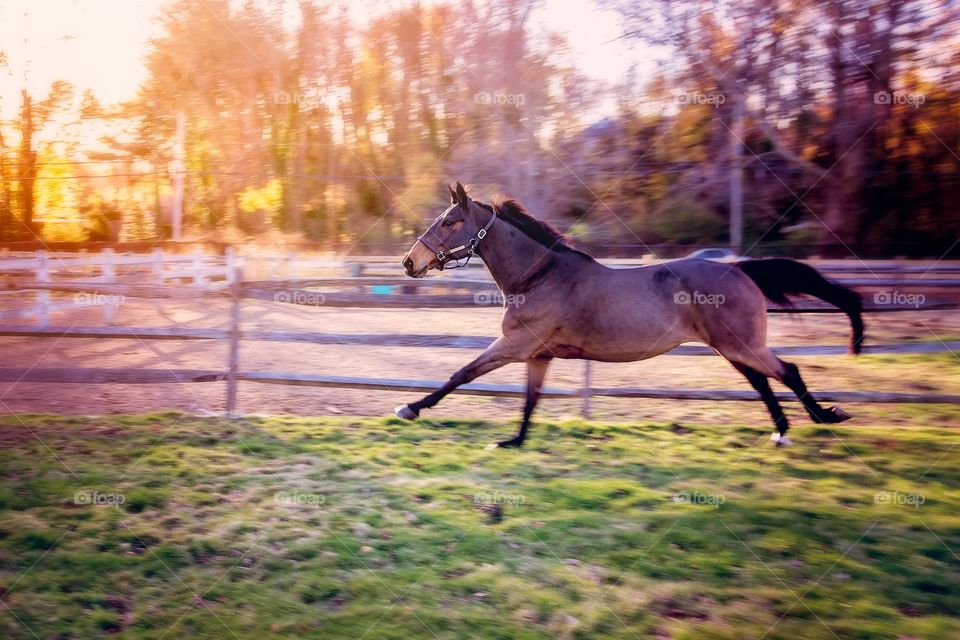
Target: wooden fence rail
(149,274)
(230,284)
(184,376)
(443,341)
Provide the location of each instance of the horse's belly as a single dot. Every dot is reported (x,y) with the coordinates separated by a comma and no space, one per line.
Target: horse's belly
(616,351)
(628,354)
(626,332)
(629,340)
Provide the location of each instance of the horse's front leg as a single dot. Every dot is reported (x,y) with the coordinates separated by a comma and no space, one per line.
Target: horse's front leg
(498,354)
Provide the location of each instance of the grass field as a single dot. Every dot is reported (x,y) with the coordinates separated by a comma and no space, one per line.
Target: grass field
(169,526)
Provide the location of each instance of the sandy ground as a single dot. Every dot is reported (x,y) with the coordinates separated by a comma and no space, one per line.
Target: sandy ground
(834,372)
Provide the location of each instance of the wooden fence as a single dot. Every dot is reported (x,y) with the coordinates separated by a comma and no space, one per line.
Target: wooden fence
(195,277)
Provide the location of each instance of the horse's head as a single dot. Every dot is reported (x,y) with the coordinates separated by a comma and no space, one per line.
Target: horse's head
(454,235)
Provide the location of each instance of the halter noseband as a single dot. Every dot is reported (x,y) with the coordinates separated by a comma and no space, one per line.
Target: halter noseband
(470,248)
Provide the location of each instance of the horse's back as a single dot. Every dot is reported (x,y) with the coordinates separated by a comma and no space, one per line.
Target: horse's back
(690,275)
(641,312)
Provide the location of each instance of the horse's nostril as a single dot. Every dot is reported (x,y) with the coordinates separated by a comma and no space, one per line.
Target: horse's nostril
(407,263)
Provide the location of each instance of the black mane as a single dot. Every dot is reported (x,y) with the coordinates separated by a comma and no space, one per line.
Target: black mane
(541,231)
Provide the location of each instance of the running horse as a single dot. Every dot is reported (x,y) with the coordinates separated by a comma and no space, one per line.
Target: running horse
(574,307)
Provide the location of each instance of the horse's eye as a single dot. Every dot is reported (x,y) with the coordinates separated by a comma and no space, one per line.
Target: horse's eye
(448,223)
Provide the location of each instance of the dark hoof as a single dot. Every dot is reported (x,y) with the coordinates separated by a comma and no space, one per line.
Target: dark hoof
(835,415)
(512,443)
(405,412)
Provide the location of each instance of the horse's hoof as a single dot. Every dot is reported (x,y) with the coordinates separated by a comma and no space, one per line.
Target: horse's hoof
(839,415)
(404,412)
(512,443)
(781,440)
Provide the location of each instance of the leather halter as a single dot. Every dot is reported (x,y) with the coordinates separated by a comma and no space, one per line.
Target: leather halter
(467,250)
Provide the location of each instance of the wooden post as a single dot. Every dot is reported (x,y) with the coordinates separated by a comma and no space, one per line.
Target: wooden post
(234,356)
(43,296)
(585,392)
(109,275)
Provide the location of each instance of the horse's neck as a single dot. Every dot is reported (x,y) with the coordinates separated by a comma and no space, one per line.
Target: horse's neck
(515,261)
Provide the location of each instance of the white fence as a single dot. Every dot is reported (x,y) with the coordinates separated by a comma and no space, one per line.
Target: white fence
(89,277)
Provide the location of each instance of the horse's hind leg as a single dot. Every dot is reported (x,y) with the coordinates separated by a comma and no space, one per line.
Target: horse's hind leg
(536,372)
(762,385)
(790,376)
(764,364)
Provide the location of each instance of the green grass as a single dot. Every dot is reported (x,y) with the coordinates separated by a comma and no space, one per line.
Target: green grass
(337,528)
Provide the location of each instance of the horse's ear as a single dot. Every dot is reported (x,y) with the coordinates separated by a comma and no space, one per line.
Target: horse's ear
(462,198)
(453,195)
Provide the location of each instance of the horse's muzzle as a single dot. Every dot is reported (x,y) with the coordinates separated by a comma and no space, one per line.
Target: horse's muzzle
(410,268)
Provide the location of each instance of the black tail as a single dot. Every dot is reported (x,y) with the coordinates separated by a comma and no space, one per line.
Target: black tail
(778,277)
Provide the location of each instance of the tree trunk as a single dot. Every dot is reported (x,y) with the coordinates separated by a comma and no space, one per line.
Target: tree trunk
(26,162)
(7,231)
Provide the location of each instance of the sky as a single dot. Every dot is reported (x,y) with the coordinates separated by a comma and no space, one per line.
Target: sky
(100,44)
(96,44)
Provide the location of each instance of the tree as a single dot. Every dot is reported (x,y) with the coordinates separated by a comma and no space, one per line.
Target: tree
(810,76)
(32,119)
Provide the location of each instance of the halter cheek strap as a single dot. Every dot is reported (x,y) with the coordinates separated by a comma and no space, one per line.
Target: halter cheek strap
(471,247)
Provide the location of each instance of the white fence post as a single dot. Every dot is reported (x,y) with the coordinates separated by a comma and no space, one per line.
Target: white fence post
(43,296)
(158,265)
(108,271)
(199,279)
(230,263)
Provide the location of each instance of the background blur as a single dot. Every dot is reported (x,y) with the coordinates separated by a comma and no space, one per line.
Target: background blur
(830,128)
